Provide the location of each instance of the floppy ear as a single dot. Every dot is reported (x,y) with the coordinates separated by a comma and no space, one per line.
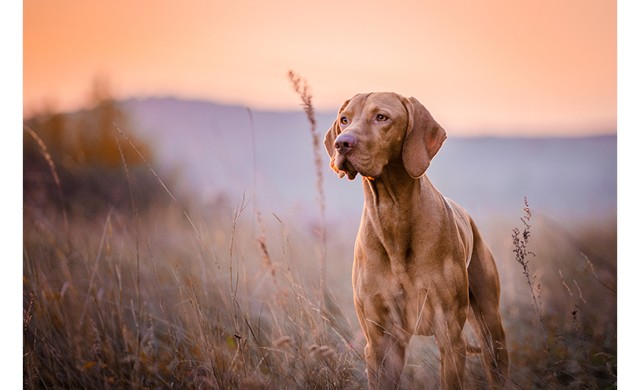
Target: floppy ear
(330,139)
(334,130)
(423,139)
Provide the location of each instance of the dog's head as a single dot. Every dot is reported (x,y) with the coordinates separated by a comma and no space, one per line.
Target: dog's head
(374,130)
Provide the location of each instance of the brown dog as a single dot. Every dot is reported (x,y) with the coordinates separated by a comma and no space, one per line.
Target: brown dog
(420,262)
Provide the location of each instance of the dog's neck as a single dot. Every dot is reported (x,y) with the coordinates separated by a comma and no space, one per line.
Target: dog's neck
(394,194)
(394,189)
(390,211)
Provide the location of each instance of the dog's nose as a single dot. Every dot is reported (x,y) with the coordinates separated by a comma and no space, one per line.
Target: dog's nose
(344,143)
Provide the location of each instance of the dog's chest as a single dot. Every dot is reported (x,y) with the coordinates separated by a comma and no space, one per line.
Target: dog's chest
(397,258)
(393,290)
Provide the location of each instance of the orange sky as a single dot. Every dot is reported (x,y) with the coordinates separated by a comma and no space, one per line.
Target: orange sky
(494,66)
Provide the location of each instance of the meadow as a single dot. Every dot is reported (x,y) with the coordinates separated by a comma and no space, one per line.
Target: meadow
(146,289)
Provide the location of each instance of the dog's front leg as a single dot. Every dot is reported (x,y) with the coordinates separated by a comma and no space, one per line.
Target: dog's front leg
(385,349)
(384,355)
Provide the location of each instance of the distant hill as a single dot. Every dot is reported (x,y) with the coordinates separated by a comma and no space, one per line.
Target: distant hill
(219,149)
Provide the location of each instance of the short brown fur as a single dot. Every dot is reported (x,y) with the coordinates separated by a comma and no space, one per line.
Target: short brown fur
(420,263)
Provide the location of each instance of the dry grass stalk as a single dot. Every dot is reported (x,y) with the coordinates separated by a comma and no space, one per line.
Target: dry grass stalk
(155,174)
(54,173)
(520,241)
(301,87)
(262,243)
(136,222)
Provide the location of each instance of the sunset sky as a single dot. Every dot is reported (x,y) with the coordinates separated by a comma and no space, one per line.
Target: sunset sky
(491,66)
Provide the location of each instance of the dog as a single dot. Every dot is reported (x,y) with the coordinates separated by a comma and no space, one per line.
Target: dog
(420,265)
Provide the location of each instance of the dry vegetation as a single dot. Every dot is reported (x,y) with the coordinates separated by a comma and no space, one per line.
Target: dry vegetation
(157,303)
(145,292)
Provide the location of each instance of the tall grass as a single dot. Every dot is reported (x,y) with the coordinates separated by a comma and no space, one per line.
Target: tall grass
(93,319)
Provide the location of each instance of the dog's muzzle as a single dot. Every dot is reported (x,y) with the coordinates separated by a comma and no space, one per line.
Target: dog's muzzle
(344,144)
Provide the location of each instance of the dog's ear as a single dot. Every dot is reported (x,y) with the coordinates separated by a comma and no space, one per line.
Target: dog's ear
(330,139)
(423,139)
(334,130)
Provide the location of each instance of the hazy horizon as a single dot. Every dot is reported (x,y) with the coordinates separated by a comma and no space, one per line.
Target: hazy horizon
(468,132)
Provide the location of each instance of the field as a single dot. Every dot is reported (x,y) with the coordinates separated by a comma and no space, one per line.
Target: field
(226,299)
(129,284)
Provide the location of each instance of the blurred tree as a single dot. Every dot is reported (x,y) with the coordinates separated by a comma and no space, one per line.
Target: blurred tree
(84,148)
(96,142)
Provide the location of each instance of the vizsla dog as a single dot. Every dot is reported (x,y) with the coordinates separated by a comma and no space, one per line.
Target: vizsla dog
(421,266)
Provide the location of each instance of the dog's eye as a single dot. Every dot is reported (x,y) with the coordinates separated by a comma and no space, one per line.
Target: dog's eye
(381,118)
(344,120)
